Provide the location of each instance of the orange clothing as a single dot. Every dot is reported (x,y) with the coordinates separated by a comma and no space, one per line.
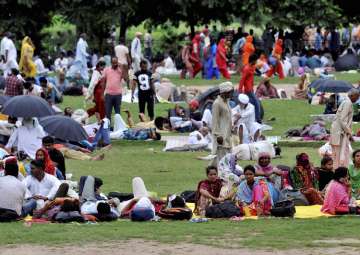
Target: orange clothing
(248,50)
(277,52)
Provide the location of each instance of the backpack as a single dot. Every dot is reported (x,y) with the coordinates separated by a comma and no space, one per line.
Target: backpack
(226,209)
(175,213)
(189,196)
(284,208)
(294,195)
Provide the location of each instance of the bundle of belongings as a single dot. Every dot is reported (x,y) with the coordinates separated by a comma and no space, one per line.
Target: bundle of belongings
(316,131)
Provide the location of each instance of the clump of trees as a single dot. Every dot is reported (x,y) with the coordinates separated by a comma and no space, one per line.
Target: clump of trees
(96,17)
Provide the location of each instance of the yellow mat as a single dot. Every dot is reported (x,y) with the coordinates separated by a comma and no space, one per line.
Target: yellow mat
(302,212)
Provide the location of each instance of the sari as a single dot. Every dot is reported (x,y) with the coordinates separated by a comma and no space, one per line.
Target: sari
(337,198)
(248,50)
(26,64)
(355,179)
(49,165)
(221,59)
(201,202)
(305,178)
(259,198)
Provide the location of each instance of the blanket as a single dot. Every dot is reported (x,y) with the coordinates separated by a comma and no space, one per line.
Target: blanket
(180,143)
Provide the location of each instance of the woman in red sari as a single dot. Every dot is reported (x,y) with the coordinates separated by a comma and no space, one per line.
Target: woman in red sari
(96,91)
(208,191)
(195,55)
(49,165)
(221,59)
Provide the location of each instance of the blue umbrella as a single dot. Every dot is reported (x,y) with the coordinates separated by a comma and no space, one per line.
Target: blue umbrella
(64,128)
(27,107)
(331,86)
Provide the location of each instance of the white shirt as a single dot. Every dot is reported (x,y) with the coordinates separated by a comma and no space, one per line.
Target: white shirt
(247,115)
(27,139)
(10,47)
(12,193)
(121,51)
(95,78)
(136,48)
(2,45)
(81,53)
(61,64)
(36,91)
(193,138)
(47,187)
(40,68)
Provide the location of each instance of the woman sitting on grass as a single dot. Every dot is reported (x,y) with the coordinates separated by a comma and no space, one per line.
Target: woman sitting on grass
(208,191)
(325,172)
(264,168)
(338,195)
(255,194)
(305,178)
(354,172)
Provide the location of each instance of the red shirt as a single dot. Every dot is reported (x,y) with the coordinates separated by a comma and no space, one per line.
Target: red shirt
(246,84)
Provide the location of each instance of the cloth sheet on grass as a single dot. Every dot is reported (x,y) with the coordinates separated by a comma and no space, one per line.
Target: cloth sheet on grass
(180,143)
(302,212)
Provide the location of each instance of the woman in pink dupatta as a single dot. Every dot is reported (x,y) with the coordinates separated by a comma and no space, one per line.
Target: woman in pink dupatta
(338,194)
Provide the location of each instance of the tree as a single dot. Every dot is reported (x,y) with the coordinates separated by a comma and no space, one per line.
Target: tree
(19,17)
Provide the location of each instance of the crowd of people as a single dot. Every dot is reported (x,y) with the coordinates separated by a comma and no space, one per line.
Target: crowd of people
(41,187)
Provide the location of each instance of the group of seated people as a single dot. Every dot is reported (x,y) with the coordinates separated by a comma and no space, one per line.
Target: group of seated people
(256,189)
(181,119)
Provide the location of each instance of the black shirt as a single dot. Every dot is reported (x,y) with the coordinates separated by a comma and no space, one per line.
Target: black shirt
(144,80)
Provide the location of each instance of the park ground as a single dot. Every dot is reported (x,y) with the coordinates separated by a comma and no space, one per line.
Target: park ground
(173,172)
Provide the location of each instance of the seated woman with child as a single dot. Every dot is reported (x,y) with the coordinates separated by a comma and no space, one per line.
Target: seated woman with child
(256,195)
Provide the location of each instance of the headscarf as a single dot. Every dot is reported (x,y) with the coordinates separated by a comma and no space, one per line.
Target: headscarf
(306,171)
(267,168)
(49,165)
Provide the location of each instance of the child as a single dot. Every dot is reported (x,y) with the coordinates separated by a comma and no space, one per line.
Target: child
(143,79)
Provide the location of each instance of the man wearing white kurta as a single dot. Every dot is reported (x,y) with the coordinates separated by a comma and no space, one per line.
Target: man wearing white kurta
(341,130)
(80,63)
(9,53)
(136,52)
(27,138)
(243,117)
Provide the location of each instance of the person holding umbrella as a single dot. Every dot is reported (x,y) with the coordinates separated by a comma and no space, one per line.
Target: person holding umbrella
(341,130)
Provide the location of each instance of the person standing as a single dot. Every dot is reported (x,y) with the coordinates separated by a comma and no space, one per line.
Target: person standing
(195,55)
(27,65)
(146,91)
(222,123)
(246,85)
(81,58)
(122,53)
(148,43)
(248,50)
(185,57)
(113,88)
(8,53)
(341,130)
(136,51)
(96,92)
(221,59)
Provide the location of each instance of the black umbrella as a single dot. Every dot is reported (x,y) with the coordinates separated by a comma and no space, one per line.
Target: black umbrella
(3,99)
(64,128)
(331,86)
(27,107)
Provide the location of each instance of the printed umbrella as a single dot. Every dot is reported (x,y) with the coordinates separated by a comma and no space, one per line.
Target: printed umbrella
(27,107)
(64,128)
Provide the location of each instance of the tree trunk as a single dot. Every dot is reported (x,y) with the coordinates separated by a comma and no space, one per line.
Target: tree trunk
(123,26)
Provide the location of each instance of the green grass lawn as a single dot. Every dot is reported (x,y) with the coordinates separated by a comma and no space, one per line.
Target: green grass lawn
(174,172)
(198,81)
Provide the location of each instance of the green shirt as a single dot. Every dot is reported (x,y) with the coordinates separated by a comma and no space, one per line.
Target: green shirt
(354,177)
